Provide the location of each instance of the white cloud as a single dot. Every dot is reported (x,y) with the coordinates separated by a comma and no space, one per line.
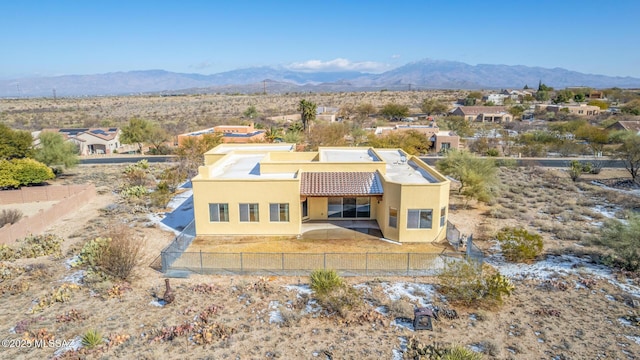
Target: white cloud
(201,65)
(395,56)
(338,64)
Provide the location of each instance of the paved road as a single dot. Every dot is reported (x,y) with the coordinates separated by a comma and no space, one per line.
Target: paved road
(125,159)
(545,162)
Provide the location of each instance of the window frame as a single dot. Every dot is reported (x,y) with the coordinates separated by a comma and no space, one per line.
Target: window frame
(221,209)
(249,212)
(393,224)
(280,208)
(416,222)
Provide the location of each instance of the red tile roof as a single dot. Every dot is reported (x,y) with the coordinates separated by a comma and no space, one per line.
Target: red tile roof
(340,184)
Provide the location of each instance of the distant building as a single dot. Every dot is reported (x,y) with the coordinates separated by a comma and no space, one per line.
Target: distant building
(580,110)
(89,140)
(633,126)
(496,99)
(496,114)
(230,134)
(440,140)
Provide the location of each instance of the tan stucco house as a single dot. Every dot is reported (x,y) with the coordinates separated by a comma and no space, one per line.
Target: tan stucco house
(230,134)
(496,114)
(270,189)
(89,140)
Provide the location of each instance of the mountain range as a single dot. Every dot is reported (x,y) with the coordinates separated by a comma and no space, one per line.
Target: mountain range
(424,74)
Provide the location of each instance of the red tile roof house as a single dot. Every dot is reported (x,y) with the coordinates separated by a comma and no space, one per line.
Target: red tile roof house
(90,140)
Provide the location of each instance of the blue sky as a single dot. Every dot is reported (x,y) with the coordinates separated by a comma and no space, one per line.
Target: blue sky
(48,38)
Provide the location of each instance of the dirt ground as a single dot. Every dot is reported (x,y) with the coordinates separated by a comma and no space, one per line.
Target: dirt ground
(567,316)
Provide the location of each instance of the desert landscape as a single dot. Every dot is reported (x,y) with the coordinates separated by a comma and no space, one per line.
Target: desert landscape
(564,305)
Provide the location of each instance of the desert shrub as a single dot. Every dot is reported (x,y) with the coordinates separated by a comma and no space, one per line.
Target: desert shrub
(470,283)
(32,246)
(136,191)
(162,195)
(325,281)
(18,172)
(622,241)
(333,294)
(91,339)
(519,245)
(493,152)
(137,174)
(122,254)
(459,352)
(401,308)
(115,256)
(10,216)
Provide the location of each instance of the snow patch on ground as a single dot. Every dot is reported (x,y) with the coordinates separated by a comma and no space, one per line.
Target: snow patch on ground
(74,345)
(72,262)
(158,303)
(75,278)
(559,265)
(398,354)
(635,339)
(275,316)
(420,293)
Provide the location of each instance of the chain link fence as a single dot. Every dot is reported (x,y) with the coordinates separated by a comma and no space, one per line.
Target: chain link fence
(174,258)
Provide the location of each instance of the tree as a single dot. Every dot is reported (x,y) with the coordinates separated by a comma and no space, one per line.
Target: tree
(328,135)
(136,132)
(603,105)
(395,111)
(596,137)
(475,95)
(563,96)
(156,137)
(579,97)
(191,151)
(251,112)
(623,241)
(632,107)
(543,87)
(15,144)
(308,111)
(476,175)
(54,151)
(412,142)
(458,124)
(432,106)
(542,95)
(273,134)
(365,109)
(629,153)
(516,111)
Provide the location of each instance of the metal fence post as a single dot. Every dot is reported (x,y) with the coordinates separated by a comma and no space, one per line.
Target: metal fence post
(201,265)
(324,262)
(282,261)
(366,263)
(408,262)
(241,267)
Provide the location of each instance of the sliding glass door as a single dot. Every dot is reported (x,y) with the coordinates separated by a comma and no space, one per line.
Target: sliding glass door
(349,207)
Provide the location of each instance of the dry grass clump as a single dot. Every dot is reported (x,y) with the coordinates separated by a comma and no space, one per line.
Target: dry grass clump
(10,216)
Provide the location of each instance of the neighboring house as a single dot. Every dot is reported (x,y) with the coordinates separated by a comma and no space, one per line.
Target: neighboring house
(496,99)
(90,140)
(496,114)
(440,140)
(580,110)
(230,134)
(633,126)
(270,189)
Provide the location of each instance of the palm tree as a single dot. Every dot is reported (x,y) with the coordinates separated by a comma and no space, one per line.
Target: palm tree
(308,111)
(273,134)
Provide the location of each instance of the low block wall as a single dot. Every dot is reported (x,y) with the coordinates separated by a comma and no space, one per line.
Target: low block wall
(71,197)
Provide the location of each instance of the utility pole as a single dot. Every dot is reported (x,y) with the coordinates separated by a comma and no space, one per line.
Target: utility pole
(264,87)
(54,94)
(409,85)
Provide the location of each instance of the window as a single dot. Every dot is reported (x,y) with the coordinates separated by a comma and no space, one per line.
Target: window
(279,212)
(249,213)
(443,213)
(393,217)
(349,207)
(419,219)
(219,212)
